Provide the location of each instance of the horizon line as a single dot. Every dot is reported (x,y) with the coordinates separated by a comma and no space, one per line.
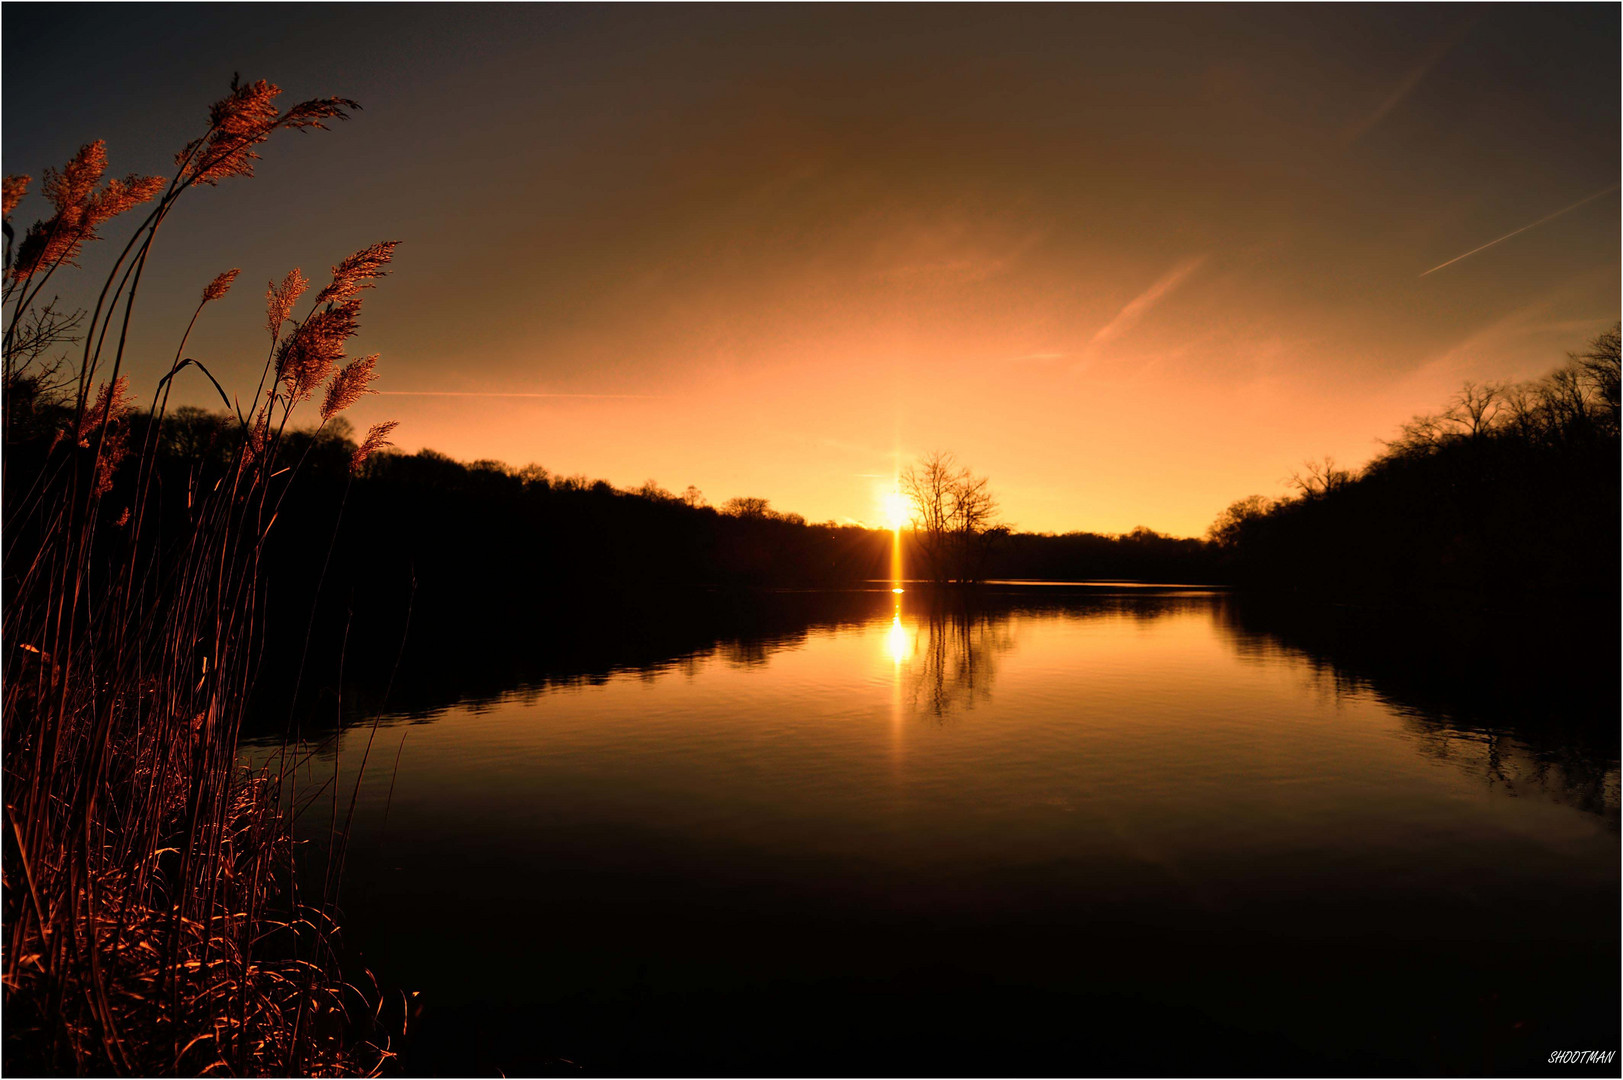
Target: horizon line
(502,393)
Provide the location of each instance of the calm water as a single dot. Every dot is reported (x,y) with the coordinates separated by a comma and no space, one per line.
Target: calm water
(1071,832)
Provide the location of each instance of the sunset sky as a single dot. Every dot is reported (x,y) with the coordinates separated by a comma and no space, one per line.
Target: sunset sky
(1132,263)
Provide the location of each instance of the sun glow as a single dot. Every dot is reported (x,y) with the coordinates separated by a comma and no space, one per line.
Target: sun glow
(897,510)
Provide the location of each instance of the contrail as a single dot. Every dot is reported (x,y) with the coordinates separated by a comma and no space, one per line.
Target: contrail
(1145,300)
(1410,81)
(1524,228)
(501,393)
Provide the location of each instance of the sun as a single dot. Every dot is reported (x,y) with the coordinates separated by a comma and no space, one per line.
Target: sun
(898,510)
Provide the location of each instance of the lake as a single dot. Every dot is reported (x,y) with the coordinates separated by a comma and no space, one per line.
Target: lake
(1061,830)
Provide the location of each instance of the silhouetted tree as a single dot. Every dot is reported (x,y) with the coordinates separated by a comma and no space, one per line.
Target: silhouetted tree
(1476,408)
(1241,514)
(747,506)
(36,376)
(1600,368)
(954,517)
(651,490)
(1319,478)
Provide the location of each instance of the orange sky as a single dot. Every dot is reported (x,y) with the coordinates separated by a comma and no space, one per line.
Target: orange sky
(1131,263)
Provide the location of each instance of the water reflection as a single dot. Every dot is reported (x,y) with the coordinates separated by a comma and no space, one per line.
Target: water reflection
(1059,818)
(1496,703)
(1525,712)
(899,642)
(948,662)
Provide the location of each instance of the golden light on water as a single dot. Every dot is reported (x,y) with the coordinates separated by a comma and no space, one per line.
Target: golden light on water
(898,642)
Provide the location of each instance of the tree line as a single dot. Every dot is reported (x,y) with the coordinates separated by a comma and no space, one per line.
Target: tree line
(1509,491)
(1507,496)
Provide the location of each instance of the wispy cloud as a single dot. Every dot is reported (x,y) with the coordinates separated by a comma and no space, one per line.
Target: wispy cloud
(1484,348)
(1517,232)
(955,252)
(1357,130)
(1141,304)
(1036,358)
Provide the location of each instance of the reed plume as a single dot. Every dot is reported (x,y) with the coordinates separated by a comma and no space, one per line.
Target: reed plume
(279,300)
(244,119)
(15,187)
(220,285)
(152,916)
(315,347)
(79,207)
(377,437)
(357,272)
(107,418)
(349,386)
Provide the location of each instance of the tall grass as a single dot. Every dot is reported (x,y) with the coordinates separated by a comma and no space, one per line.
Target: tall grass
(154,921)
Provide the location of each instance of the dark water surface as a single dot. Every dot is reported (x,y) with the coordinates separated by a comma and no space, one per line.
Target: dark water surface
(1068,831)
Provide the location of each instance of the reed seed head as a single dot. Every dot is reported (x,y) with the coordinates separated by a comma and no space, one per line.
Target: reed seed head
(377,437)
(308,355)
(257,436)
(70,189)
(15,188)
(115,404)
(279,300)
(113,400)
(358,271)
(241,121)
(118,196)
(352,383)
(220,285)
(79,208)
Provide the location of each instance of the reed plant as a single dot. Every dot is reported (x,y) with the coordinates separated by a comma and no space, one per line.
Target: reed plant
(154,921)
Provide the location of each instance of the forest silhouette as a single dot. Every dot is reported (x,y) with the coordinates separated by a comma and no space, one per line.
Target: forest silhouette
(1507,500)
(1505,503)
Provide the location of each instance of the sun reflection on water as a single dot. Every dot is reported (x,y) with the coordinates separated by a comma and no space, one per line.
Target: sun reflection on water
(898,643)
